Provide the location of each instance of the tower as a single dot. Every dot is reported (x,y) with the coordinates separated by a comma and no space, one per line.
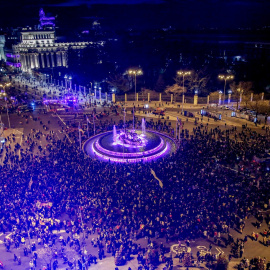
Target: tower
(44,21)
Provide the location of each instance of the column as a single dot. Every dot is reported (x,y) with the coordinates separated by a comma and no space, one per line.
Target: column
(208,99)
(22,59)
(42,60)
(100,95)
(183,99)
(48,60)
(148,97)
(113,98)
(251,97)
(64,61)
(32,61)
(195,99)
(219,98)
(57,59)
(28,65)
(137,97)
(171,98)
(160,100)
(125,97)
(52,58)
(106,97)
(262,96)
(36,60)
(58,55)
(229,98)
(95,93)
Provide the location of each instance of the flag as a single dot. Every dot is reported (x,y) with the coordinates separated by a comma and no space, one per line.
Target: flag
(159,181)
(30,183)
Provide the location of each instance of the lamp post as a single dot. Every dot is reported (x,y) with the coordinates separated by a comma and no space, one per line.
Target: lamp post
(225,78)
(66,81)
(135,72)
(70,83)
(99,94)
(183,73)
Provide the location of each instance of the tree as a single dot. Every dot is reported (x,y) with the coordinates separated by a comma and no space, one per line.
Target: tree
(259,106)
(196,81)
(240,89)
(175,89)
(119,82)
(160,84)
(214,96)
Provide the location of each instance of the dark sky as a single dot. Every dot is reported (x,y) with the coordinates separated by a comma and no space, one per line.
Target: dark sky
(178,13)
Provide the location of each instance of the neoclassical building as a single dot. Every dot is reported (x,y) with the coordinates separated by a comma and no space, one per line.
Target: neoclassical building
(39,49)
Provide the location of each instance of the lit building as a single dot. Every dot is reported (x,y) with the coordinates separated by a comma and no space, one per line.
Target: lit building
(2,45)
(39,49)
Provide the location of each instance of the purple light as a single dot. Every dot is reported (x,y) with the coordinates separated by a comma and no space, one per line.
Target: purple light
(131,155)
(96,150)
(13,64)
(10,55)
(126,160)
(117,140)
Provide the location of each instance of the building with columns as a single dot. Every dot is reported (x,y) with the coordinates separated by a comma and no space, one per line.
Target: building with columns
(40,49)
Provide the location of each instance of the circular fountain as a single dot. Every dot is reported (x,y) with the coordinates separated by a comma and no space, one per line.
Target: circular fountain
(129,145)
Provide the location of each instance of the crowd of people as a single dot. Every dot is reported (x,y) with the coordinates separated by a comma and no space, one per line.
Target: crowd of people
(210,185)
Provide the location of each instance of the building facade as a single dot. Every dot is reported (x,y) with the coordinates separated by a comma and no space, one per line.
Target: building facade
(2,45)
(39,48)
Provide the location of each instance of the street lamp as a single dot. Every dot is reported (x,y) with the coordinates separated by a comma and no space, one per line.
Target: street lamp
(66,81)
(225,78)
(70,82)
(183,73)
(135,72)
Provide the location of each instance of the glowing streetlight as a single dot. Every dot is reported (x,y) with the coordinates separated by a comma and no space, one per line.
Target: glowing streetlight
(135,72)
(183,73)
(225,78)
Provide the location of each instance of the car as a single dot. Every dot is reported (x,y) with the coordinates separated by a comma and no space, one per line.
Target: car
(159,112)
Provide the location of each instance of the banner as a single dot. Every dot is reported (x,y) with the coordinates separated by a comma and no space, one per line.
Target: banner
(40,204)
(159,181)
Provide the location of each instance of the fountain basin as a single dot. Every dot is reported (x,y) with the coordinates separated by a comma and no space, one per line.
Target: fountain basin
(105,147)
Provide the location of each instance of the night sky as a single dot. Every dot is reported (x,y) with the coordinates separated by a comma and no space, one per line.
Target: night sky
(177,13)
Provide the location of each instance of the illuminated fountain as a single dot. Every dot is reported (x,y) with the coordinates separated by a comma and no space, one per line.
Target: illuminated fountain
(143,126)
(114,133)
(129,145)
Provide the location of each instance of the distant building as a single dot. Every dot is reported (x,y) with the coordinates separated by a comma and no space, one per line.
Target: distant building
(2,45)
(39,48)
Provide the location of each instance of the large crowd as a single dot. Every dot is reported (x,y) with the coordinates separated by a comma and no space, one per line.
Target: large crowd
(210,185)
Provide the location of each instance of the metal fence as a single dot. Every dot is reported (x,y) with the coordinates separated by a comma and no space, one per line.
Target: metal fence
(155,97)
